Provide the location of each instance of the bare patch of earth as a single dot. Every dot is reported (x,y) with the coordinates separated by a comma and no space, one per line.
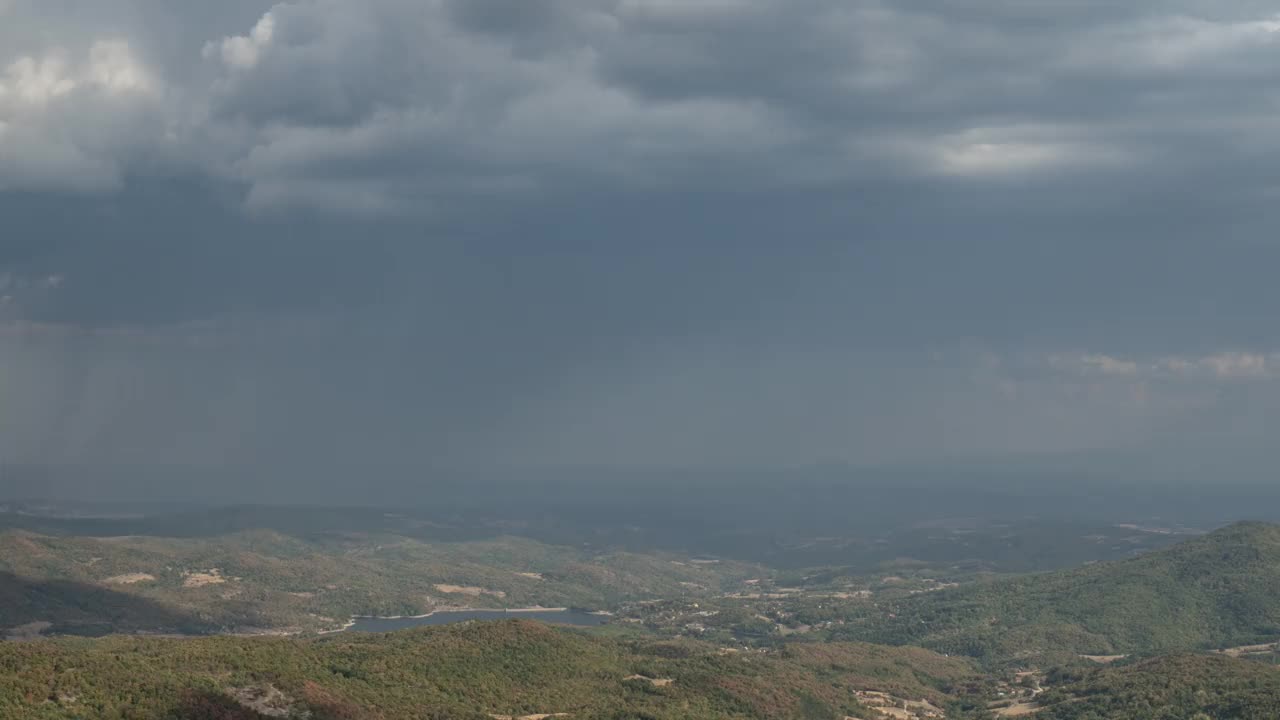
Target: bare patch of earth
(1244,650)
(130,579)
(469,590)
(896,707)
(268,701)
(656,682)
(200,579)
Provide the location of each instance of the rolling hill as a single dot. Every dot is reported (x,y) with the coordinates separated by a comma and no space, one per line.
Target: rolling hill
(263,579)
(1217,590)
(1177,687)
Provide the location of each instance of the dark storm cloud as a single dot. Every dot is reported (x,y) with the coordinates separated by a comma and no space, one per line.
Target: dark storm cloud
(400,106)
(554,231)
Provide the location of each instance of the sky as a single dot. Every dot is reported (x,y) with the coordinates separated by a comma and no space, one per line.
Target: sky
(635,233)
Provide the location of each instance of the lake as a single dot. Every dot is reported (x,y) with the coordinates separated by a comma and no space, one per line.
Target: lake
(554,617)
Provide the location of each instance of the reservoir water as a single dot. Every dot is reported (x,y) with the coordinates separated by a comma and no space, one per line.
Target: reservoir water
(554,617)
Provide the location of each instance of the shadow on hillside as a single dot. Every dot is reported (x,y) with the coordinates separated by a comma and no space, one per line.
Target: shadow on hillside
(317,704)
(76,608)
(208,705)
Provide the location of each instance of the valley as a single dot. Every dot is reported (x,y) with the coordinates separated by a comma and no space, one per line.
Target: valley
(943,627)
(302,570)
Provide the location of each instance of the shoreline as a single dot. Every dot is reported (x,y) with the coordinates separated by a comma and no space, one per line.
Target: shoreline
(346,626)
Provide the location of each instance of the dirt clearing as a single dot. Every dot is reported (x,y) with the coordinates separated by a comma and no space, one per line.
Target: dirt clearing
(656,682)
(200,579)
(469,590)
(130,579)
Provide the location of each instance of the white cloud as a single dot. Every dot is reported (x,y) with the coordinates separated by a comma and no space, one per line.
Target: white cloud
(69,122)
(1225,365)
(965,158)
(1093,364)
(241,52)
(28,81)
(1218,366)
(1108,365)
(998,151)
(113,68)
(109,68)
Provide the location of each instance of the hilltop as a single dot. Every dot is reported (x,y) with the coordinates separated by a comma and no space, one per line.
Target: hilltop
(474,670)
(1218,590)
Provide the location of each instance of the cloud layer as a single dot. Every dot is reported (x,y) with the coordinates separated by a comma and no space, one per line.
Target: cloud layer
(400,105)
(628,231)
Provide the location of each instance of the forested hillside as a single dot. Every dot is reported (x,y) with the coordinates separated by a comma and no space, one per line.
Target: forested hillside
(1218,590)
(475,670)
(1180,687)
